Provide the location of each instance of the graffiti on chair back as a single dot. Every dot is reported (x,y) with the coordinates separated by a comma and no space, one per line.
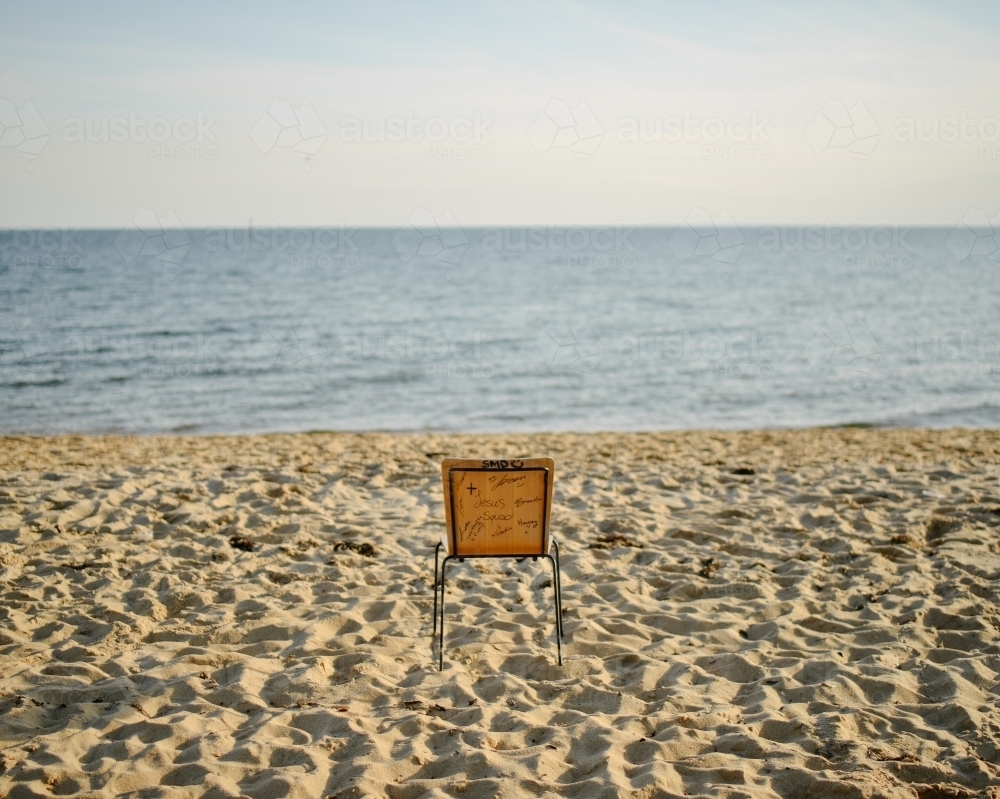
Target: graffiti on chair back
(496,513)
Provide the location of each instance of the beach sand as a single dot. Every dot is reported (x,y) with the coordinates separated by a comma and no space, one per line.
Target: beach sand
(765,614)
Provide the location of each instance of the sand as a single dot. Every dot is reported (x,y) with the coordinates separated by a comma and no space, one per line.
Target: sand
(764,614)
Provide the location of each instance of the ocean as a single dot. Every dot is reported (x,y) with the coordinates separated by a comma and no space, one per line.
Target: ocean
(161,330)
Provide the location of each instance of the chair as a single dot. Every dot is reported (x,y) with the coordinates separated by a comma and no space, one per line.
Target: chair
(496,509)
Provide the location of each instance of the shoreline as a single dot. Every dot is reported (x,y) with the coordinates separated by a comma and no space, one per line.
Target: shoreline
(185,433)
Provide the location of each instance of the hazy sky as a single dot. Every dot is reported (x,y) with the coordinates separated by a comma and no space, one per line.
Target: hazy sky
(498,113)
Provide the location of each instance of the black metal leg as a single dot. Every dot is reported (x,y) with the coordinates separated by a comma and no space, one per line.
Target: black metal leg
(437,549)
(555,594)
(444,567)
(555,545)
(440,573)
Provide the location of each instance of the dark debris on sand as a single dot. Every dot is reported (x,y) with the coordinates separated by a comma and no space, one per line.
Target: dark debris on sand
(709,566)
(242,543)
(367,550)
(612,541)
(79,566)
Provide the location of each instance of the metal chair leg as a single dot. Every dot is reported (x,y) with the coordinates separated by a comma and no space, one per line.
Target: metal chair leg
(555,545)
(444,567)
(440,584)
(555,593)
(437,549)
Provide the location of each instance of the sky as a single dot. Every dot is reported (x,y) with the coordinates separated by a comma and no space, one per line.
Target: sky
(506,113)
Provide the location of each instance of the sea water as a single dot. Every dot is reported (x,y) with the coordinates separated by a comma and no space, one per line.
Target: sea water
(497,328)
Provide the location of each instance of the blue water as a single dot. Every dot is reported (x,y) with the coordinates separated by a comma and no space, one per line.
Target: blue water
(495,330)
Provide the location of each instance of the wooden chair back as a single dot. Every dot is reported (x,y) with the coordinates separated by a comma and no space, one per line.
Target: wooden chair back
(496,508)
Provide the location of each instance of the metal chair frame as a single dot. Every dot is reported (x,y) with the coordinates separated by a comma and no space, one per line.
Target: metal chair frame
(439,586)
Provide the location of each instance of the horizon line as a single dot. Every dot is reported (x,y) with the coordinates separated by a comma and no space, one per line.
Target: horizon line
(99,229)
